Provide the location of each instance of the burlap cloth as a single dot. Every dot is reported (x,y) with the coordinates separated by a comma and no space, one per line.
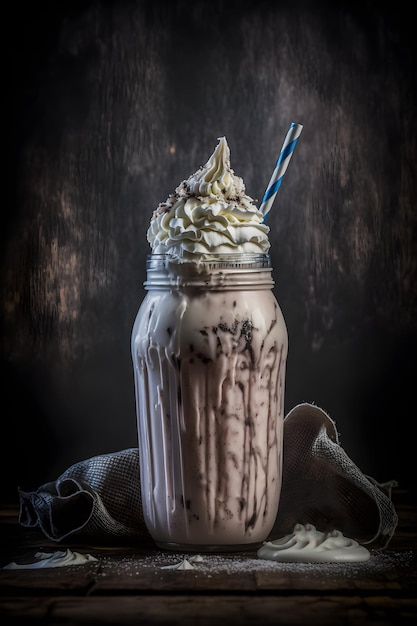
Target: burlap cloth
(99,498)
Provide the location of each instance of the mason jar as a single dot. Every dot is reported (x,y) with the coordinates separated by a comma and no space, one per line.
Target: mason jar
(209,348)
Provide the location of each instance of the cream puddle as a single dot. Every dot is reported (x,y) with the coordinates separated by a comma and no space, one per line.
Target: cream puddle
(309,545)
(59,558)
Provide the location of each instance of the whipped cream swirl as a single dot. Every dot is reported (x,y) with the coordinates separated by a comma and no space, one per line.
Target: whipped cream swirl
(209,213)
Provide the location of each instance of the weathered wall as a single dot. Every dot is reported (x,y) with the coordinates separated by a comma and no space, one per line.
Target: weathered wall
(116,103)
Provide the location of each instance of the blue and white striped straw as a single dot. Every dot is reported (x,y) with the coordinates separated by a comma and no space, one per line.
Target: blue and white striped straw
(281,166)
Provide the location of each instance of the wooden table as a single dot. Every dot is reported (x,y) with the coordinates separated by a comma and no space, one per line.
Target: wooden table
(130,585)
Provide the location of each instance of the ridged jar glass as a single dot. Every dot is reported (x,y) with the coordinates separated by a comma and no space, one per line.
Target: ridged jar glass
(209,349)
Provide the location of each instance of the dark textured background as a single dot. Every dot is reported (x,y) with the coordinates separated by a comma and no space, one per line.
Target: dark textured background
(111,106)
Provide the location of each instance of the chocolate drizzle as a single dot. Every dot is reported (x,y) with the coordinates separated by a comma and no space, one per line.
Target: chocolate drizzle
(241,330)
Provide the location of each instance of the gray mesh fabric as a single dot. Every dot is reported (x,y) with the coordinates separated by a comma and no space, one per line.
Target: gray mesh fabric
(100,497)
(323,487)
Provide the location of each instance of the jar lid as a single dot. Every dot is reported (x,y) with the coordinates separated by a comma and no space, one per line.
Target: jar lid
(217,271)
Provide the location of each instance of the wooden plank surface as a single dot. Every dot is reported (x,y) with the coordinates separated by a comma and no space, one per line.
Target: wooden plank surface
(202,610)
(390,572)
(129,585)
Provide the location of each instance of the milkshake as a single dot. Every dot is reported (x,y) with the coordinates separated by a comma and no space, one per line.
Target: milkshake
(209,348)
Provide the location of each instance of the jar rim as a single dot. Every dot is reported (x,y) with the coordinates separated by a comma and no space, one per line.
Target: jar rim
(246,260)
(217,272)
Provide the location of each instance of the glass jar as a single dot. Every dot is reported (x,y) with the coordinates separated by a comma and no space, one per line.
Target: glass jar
(209,349)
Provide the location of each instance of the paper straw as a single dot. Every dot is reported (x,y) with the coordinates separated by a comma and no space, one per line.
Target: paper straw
(287,150)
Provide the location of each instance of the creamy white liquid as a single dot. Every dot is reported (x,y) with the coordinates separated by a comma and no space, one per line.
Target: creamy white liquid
(309,545)
(210,388)
(59,558)
(185,563)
